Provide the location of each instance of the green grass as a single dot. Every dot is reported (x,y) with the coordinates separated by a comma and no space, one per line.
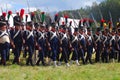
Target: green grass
(98,71)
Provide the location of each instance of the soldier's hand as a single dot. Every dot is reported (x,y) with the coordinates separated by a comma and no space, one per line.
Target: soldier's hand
(60,49)
(27,48)
(49,48)
(40,48)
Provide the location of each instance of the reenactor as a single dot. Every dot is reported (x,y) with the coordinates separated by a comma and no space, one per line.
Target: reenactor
(29,42)
(105,44)
(4,41)
(16,36)
(89,46)
(112,44)
(54,43)
(118,43)
(97,44)
(42,44)
(64,42)
(74,43)
(82,45)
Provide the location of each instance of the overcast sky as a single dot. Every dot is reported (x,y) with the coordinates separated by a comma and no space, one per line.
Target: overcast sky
(46,5)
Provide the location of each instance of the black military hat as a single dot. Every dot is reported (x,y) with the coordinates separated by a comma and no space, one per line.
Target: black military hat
(98,29)
(2,23)
(36,25)
(30,23)
(17,21)
(113,30)
(53,24)
(88,29)
(76,29)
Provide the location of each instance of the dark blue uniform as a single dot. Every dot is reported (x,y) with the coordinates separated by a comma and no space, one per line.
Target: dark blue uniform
(89,48)
(29,43)
(82,46)
(42,44)
(16,36)
(4,45)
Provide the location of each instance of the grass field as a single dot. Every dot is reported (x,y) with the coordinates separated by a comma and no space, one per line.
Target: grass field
(97,71)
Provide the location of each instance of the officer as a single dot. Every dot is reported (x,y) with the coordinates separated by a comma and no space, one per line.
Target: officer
(16,36)
(29,42)
(89,46)
(4,41)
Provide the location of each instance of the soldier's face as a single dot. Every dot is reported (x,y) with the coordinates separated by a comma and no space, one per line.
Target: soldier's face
(3,28)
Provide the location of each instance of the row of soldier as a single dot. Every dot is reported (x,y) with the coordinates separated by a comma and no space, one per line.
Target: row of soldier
(57,43)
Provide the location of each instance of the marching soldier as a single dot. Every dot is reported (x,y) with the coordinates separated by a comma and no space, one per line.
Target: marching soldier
(29,42)
(16,36)
(112,45)
(105,43)
(98,45)
(4,41)
(74,43)
(118,43)
(54,43)
(82,45)
(42,44)
(89,46)
(64,42)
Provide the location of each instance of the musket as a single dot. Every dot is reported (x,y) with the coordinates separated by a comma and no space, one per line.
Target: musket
(75,24)
(94,20)
(111,18)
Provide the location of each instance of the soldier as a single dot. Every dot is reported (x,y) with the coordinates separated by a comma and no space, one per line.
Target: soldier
(112,45)
(105,43)
(29,41)
(54,43)
(16,36)
(118,43)
(4,41)
(74,43)
(89,46)
(82,45)
(98,45)
(64,42)
(42,44)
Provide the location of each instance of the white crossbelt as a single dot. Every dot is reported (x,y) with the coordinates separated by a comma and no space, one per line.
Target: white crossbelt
(64,36)
(42,35)
(4,37)
(54,35)
(3,33)
(75,39)
(16,34)
(104,39)
(113,38)
(98,38)
(82,37)
(30,34)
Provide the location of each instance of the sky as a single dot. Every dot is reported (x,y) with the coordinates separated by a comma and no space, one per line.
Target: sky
(45,5)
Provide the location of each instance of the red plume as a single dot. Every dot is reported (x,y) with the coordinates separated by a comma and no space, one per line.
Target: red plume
(9,12)
(56,14)
(32,14)
(42,12)
(22,13)
(65,16)
(63,23)
(4,14)
(102,20)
